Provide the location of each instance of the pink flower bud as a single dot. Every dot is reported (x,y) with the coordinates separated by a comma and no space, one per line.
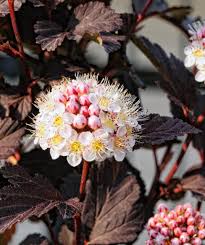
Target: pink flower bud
(84,100)
(79,121)
(179,209)
(172,224)
(152,233)
(84,111)
(201,234)
(162,215)
(94,110)
(180,219)
(177,232)
(175,241)
(159,225)
(151,222)
(184,237)
(201,224)
(191,220)
(150,242)
(191,230)
(94,122)
(189,212)
(73,97)
(71,90)
(196,241)
(82,88)
(162,208)
(187,205)
(164,231)
(72,107)
(63,99)
(172,215)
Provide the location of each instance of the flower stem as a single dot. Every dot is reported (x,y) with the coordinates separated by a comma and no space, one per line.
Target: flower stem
(15,27)
(179,159)
(84,175)
(77,224)
(141,15)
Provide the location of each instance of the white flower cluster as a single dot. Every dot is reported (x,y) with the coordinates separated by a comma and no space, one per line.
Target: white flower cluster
(87,119)
(195,51)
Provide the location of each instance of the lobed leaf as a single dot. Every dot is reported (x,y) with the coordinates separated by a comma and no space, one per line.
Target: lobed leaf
(50,34)
(159,129)
(94,17)
(4,9)
(28,196)
(113,206)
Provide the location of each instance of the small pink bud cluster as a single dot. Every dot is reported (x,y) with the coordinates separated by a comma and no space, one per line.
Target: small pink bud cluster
(76,100)
(183,225)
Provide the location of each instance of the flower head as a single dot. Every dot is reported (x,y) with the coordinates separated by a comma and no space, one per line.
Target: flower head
(183,225)
(87,119)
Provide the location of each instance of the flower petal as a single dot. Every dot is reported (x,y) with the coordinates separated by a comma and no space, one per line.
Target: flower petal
(119,155)
(85,138)
(121,131)
(74,159)
(54,154)
(189,61)
(200,76)
(68,118)
(89,155)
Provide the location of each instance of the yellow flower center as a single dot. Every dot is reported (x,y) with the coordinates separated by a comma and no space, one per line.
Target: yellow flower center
(104,102)
(109,123)
(41,130)
(129,130)
(98,146)
(122,116)
(58,121)
(76,147)
(119,142)
(198,53)
(57,139)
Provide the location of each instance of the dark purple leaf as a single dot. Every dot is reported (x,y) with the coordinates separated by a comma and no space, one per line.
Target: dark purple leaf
(194,181)
(4,9)
(111,43)
(177,82)
(22,107)
(50,35)
(35,239)
(48,3)
(157,129)
(28,196)
(95,17)
(113,208)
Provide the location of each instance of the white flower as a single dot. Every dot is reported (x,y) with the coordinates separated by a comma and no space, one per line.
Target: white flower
(200,74)
(97,145)
(108,122)
(195,54)
(123,142)
(84,119)
(73,149)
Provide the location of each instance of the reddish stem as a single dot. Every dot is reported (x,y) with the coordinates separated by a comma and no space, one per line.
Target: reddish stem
(77,221)
(15,27)
(141,15)
(83,178)
(179,159)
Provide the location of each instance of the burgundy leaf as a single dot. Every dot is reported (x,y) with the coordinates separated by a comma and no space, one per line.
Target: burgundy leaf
(10,137)
(28,196)
(35,239)
(48,3)
(194,181)
(180,88)
(157,129)
(113,206)
(4,9)
(95,17)
(23,107)
(111,43)
(50,35)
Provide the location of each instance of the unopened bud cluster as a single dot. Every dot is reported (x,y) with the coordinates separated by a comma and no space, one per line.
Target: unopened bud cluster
(87,119)
(183,225)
